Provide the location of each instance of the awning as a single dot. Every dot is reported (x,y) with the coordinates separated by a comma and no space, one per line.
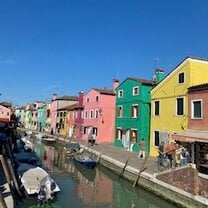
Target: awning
(191,136)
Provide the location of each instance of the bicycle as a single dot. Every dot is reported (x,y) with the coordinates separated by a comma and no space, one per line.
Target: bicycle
(163,162)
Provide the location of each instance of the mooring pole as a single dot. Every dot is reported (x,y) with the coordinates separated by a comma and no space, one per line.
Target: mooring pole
(2,201)
(123,169)
(13,176)
(5,169)
(141,170)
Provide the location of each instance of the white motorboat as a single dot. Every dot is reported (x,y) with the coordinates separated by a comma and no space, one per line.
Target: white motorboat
(34,178)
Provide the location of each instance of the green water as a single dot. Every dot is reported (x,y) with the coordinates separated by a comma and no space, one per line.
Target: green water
(89,188)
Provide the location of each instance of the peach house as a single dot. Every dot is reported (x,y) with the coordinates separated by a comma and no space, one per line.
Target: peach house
(5,113)
(99,114)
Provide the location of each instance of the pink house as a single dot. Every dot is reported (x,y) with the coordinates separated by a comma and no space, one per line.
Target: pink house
(99,114)
(5,113)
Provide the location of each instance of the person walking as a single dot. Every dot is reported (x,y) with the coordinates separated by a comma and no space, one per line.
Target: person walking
(142,145)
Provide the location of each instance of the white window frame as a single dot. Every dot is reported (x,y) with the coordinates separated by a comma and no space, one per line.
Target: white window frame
(120,95)
(91,114)
(192,109)
(120,106)
(133,91)
(85,114)
(135,116)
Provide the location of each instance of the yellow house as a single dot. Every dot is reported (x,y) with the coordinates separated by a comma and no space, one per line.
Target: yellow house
(169,111)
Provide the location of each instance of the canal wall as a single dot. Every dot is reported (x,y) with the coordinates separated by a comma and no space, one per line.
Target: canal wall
(150,182)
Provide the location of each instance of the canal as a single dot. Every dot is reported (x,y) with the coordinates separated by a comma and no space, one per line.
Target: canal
(88,188)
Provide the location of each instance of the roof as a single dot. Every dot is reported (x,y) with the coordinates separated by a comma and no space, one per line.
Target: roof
(66,97)
(4,120)
(6,104)
(104,91)
(68,107)
(198,87)
(191,136)
(143,81)
(185,59)
(140,80)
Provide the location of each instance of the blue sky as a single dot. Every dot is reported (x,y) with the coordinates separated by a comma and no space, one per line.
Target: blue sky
(65,46)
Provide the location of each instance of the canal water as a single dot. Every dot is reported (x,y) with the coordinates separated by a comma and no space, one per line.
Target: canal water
(89,188)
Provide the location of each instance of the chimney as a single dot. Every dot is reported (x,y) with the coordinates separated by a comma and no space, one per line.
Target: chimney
(81,96)
(115,84)
(160,74)
(54,96)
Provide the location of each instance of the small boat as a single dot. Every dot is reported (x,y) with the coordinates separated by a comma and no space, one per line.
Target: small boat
(27,157)
(71,148)
(35,179)
(85,160)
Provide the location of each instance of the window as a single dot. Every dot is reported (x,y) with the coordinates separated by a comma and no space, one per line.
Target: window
(196,109)
(96,113)
(97,98)
(179,106)
(135,90)
(134,111)
(87,100)
(85,130)
(118,134)
(181,78)
(157,108)
(156,138)
(119,111)
(91,114)
(85,114)
(120,93)
(81,129)
(133,134)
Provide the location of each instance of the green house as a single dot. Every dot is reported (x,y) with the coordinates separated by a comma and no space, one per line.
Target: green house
(132,119)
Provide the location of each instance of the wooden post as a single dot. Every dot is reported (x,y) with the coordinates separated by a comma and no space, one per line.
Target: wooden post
(123,169)
(13,176)
(5,169)
(141,170)
(2,201)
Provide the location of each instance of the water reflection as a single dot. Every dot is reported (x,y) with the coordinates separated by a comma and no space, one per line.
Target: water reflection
(83,187)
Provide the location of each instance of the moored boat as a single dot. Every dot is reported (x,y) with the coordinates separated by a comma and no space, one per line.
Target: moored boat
(34,179)
(85,160)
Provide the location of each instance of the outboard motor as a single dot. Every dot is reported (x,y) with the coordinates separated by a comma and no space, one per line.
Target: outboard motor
(42,195)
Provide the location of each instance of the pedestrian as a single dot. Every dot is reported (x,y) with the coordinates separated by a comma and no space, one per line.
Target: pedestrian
(142,145)
(161,149)
(183,156)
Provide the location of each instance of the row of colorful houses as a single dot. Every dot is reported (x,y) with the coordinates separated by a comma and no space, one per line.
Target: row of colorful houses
(165,108)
